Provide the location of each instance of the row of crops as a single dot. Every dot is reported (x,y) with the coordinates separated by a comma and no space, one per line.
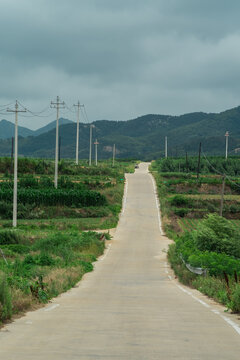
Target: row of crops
(51,249)
(55,197)
(82,192)
(207,165)
(192,224)
(203,239)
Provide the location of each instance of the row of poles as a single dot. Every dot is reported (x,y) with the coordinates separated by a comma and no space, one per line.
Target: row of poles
(226,143)
(57,105)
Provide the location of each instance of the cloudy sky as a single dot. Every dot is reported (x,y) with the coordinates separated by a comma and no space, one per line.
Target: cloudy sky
(121,58)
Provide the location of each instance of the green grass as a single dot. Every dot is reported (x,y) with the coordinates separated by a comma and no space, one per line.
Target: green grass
(42,264)
(192,224)
(52,248)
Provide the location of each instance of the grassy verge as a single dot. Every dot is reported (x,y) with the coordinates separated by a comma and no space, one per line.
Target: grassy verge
(51,248)
(202,240)
(37,267)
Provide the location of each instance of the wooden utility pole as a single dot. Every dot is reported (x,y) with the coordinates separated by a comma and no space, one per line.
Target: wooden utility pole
(222,195)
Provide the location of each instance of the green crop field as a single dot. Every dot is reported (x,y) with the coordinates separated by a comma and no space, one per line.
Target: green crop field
(52,247)
(203,239)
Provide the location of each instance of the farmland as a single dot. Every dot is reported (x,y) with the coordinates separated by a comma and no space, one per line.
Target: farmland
(51,249)
(190,205)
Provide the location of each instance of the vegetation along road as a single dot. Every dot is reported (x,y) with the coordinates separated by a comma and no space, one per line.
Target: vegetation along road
(130,307)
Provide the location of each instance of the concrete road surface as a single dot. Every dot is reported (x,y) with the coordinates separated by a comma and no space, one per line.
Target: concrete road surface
(130,307)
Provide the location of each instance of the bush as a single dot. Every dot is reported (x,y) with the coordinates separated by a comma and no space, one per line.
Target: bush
(28,181)
(235,299)
(6,209)
(179,200)
(9,237)
(5,299)
(181,212)
(217,234)
(17,248)
(212,287)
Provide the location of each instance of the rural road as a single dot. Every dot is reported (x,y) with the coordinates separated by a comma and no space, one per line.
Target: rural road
(130,307)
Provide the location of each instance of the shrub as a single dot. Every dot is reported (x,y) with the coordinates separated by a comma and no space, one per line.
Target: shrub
(217,234)
(6,210)
(235,299)
(18,248)
(28,181)
(179,200)
(9,237)
(212,287)
(5,299)
(181,212)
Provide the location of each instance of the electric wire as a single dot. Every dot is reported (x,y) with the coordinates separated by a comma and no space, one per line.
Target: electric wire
(219,173)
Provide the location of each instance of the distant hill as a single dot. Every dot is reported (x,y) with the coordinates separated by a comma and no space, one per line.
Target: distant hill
(51,125)
(7,128)
(141,138)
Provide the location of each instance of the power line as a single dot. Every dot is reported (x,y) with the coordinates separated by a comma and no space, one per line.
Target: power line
(219,173)
(85,113)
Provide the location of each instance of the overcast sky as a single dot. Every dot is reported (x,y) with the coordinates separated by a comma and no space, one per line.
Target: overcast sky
(121,58)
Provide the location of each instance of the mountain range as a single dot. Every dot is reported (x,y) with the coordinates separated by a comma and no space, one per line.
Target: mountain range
(7,128)
(141,138)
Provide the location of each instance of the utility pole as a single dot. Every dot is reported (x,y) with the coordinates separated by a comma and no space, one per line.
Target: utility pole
(227,136)
(57,105)
(59,149)
(90,145)
(16,111)
(78,105)
(199,159)
(114,154)
(96,158)
(11,169)
(166,147)
(222,195)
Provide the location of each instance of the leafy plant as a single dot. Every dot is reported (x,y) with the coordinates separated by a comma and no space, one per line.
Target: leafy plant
(5,299)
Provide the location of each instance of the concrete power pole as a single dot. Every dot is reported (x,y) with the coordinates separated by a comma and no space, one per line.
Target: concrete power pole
(16,111)
(166,147)
(96,149)
(114,154)
(57,105)
(78,119)
(227,136)
(90,145)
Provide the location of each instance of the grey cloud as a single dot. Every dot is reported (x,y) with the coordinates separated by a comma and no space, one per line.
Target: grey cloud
(121,58)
